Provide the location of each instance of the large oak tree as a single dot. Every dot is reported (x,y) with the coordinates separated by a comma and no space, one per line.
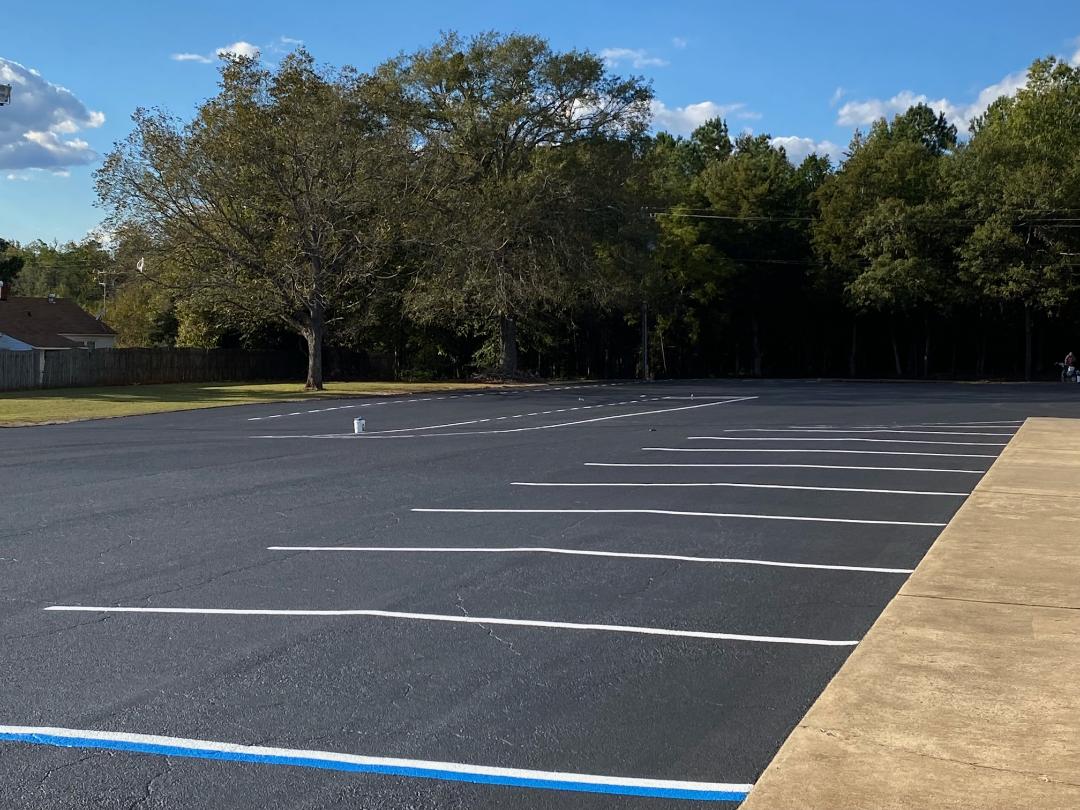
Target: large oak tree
(276,202)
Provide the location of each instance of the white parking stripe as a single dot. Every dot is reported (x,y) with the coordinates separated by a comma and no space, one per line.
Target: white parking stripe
(787,466)
(491,392)
(674,513)
(421,435)
(590,553)
(953,424)
(460,619)
(801,450)
(871,430)
(846,439)
(499,418)
(742,485)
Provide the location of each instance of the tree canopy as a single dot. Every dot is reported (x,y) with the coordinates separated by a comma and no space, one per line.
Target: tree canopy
(493,203)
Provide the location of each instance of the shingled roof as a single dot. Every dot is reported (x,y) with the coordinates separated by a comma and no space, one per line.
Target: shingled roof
(41,324)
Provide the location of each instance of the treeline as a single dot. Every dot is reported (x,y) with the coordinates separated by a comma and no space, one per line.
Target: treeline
(492,204)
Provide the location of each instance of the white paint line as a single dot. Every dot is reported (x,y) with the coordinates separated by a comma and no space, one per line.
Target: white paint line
(598,418)
(494,392)
(460,619)
(485,420)
(871,430)
(846,439)
(953,424)
(801,450)
(429,427)
(401,434)
(788,466)
(674,513)
(591,553)
(746,486)
(152,744)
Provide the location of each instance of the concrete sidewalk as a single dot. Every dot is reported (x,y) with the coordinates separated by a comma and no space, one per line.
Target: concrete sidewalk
(966,691)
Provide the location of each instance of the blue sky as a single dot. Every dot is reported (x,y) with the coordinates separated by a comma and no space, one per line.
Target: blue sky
(806,73)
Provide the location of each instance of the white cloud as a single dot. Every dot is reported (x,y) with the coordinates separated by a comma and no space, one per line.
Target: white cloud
(679,42)
(191,57)
(684,120)
(240,48)
(838,94)
(34,127)
(637,57)
(26,175)
(291,41)
(857,113)
(1074,60)
(798,148)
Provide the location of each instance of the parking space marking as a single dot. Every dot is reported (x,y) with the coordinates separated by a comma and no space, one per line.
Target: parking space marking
(462,619)
(832,439)
(493,392)
(802,450)
(501,418)
(417,432)
(788,466)
(671,512)
(953,424)
(740,485)
(870,430)
(591,553)
(153,744)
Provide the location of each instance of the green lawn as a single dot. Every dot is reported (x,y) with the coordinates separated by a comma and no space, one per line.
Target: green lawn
(74,404)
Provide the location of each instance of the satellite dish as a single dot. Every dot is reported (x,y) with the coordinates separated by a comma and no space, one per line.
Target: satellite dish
(5,94)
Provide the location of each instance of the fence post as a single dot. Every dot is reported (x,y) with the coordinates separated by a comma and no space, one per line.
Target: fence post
(41,369)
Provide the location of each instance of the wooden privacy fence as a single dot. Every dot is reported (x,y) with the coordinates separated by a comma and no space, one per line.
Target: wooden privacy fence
(81,368)
(19,370)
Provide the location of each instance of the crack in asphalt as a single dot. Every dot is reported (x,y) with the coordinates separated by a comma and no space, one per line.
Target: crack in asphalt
(149,789)
(49,772)
(58,631)
(508,644)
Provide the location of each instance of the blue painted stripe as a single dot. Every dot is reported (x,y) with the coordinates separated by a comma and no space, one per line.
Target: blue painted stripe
(390,770)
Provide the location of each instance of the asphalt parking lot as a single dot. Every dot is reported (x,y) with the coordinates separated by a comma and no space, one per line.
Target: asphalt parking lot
(588,596)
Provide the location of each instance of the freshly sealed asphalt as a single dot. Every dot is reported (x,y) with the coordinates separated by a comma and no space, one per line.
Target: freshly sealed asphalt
(181,511)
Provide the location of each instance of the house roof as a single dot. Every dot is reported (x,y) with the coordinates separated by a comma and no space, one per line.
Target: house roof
(41,324)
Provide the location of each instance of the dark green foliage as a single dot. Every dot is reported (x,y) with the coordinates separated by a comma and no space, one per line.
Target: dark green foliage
(490,202)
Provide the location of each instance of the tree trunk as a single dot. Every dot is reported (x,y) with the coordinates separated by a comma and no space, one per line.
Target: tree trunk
(757,346)
(1027,342)
(926,346)
(980,362)
(896,354)
(852,368)
(314,336)
(508,334)
(644,340)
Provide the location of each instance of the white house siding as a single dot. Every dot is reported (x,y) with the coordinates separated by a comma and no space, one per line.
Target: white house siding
(93,341)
